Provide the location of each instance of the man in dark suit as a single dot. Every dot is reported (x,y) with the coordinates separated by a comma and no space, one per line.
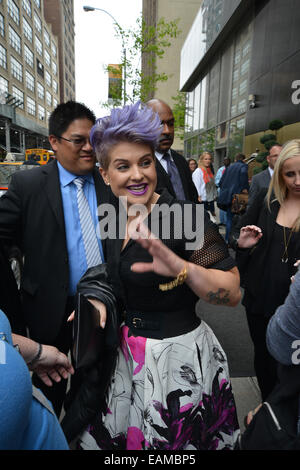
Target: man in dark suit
(262,180)
(173,172)
(39,213)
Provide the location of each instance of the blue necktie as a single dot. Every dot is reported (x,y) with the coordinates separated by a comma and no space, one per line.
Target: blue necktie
(91,247)
(174,177)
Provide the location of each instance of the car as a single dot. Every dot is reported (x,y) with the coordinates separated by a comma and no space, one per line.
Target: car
(7,169)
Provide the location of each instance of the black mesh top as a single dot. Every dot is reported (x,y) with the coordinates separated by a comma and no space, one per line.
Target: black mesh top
(140,291)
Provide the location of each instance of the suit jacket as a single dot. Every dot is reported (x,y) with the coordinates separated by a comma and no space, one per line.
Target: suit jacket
(251,262)
(233,181)
(259,181)
(31,216)
(164,182)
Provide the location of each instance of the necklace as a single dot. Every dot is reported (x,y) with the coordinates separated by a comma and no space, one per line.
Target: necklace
(285,257)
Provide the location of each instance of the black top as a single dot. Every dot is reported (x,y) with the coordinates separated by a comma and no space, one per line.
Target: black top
(140,291)
(276,277)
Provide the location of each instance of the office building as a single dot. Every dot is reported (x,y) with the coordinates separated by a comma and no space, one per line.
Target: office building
(185,11)
(60,14)
(30,79)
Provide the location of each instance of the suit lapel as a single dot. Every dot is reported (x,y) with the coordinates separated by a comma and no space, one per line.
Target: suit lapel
(52,188)
(163,179)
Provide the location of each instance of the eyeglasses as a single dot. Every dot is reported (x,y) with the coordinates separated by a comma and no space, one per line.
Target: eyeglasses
(79,142)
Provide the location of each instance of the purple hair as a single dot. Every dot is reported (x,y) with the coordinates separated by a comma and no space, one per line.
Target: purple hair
(132,123)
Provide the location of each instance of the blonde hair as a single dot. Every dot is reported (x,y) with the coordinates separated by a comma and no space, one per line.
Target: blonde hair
(277,186)
(201,158)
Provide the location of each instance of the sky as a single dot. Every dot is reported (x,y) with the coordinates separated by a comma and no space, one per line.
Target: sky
(96,46)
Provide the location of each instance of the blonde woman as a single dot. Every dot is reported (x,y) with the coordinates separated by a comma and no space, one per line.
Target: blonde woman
(205,183)
(267,250)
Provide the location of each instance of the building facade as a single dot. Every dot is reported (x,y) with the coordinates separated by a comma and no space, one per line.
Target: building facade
(238,74)
(29,75)
(185,11)
(60,14)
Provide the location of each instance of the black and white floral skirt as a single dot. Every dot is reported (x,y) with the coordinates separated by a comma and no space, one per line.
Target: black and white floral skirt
(170,394)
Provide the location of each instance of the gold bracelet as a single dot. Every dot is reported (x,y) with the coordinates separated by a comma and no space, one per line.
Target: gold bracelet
(180,279)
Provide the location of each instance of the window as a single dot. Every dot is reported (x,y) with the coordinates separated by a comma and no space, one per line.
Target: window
(46,38)
(16,69)
(37,22)
(48,98)
(2,27)
(14,39)
(55,103)
(3,57)
(245,67)
(246,48)
(41,113)
(54,86)
(28,55)
(13,11)
(3,86)
(40,91)
(242,106)
(235,75)
(19,95)
(40,68)
(27,7)
(237,57)
(54,49)
(48,78)
(47,58)
(30,106)
(29,79)
(54,68)
(243,87)
(38,3)
(27,29)
(38,46)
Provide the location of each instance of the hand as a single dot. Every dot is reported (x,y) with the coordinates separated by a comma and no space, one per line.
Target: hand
(53,365)
(250,415)
(296,266)
(249,236)
(165,262)
(100,306)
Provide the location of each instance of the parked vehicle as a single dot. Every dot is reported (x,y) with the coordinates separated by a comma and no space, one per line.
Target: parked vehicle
(42,156)
(7,169)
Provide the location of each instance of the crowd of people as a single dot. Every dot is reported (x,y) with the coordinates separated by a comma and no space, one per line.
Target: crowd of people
(164,383)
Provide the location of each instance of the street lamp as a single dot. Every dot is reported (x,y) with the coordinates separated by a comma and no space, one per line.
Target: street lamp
(88,8)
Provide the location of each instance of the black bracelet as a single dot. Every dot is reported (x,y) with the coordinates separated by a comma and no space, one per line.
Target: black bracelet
(37,356)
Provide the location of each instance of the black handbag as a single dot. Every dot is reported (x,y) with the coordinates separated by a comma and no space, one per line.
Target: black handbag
(88,336)
(275,426)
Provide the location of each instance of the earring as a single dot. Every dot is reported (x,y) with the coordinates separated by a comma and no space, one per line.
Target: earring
(107,183)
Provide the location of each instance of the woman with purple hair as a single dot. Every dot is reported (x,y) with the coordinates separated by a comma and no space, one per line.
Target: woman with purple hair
(170,389)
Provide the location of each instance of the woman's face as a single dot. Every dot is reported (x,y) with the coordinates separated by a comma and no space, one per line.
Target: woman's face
(206,160)
(193,165)
(131,173)
(290,173)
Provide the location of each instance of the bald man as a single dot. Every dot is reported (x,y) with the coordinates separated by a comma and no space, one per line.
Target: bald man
(173,172)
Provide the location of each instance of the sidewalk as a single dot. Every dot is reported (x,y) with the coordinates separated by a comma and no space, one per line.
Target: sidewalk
(247,396)
(245,389)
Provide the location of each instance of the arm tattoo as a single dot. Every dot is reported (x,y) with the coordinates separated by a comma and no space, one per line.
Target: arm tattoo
(221,297)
